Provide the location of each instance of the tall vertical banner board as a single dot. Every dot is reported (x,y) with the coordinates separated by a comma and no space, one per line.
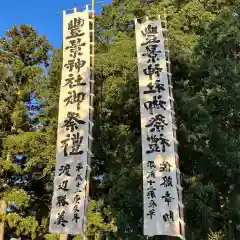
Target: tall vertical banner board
(67,213)
(160,173)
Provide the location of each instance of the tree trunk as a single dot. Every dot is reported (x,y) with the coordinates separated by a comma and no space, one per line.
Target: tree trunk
(2,211)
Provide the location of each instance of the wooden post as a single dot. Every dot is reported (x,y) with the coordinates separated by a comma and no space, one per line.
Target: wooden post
(63,237)
(93,34)
(3,207)
(87,186)
(91,80)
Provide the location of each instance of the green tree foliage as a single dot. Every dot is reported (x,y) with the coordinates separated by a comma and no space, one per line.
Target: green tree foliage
(204,44)
(22,51)
(214,89)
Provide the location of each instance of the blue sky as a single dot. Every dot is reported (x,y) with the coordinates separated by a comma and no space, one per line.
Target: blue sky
(42,15)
